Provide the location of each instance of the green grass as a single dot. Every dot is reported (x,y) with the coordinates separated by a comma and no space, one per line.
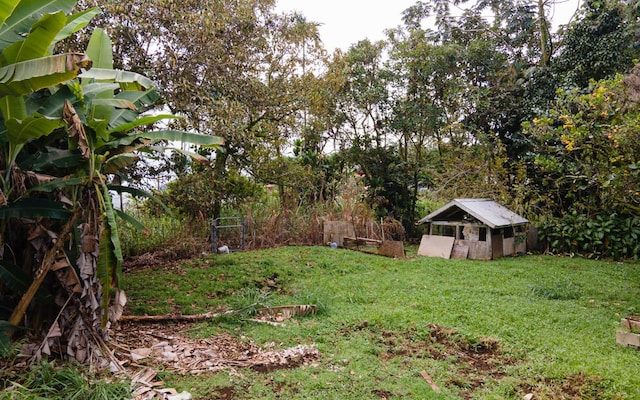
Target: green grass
(71,382)
(481,330)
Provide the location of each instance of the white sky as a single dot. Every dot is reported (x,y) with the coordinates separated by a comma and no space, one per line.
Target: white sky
(345,22)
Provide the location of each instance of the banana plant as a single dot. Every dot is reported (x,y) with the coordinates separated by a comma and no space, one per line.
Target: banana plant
(69,123)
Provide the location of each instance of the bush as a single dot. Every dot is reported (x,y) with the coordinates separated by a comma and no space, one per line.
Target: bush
(602,236)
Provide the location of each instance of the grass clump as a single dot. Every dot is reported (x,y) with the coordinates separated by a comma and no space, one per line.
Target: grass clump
(72,382)
(249,300)
(557,290)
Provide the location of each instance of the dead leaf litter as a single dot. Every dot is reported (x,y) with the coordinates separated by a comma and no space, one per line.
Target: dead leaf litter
(144,347)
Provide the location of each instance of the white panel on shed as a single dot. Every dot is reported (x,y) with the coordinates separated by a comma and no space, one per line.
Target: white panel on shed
(436,246)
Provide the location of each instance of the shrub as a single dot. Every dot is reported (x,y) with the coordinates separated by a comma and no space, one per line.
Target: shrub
(601,236)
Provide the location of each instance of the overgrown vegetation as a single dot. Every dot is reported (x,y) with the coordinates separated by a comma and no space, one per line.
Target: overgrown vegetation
(543,122)
(600,236)
(483,330)
(172,234)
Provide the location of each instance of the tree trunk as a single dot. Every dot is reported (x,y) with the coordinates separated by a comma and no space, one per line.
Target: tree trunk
(219,173)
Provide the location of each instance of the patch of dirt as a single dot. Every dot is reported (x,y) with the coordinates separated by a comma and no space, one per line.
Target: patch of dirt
(271,283)
(154,260)
(382,394)
(477,362)
(572,387)
(171,253)
(222,393)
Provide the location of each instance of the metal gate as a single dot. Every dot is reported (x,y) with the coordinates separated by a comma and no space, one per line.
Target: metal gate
(229,232)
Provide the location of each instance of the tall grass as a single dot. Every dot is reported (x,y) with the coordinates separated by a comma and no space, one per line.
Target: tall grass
(163,232)
(274,221)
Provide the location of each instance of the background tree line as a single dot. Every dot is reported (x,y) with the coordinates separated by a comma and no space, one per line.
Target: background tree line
(449,105)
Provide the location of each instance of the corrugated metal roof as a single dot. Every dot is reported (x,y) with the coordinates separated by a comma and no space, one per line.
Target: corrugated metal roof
(486,211)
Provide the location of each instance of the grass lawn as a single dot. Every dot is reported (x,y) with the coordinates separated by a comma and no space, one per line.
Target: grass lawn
(384,328)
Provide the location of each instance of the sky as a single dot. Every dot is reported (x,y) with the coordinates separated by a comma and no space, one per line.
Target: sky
(345,22)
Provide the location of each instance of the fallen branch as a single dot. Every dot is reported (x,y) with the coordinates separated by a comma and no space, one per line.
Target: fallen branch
(430,381)
(181,317)
(260,321)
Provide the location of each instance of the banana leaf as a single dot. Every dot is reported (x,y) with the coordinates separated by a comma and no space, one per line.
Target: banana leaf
(26,77)
(54,158)
(37,43)
(99,49)
(6,9)
(21,19)
(77,22)
(140,193)
(169,135)
(127,79)
(58,183)
(21,131)
(34,208)
(18,281)
(131,221)
(142,121)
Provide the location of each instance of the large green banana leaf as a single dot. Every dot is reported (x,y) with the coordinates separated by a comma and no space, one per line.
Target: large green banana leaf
(124,117)
(128,80)
(52,107)
(99,49)
(34,208)
(37,43)
(29,76)
(169,135)
(6,9)
(21,131)
(54,184)
(22,18)
(141,121)
(52,157)
(76,22)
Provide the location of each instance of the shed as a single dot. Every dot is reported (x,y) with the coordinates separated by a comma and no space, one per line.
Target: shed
(479,229)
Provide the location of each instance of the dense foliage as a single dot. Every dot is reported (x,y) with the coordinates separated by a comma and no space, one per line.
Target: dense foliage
(602,236)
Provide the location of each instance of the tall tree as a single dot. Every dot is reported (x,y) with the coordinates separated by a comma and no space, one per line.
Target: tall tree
(587,152)
(363,128)
(601,42)
(233,69)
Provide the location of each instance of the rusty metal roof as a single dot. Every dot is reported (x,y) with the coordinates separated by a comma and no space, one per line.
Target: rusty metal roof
(486,211)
